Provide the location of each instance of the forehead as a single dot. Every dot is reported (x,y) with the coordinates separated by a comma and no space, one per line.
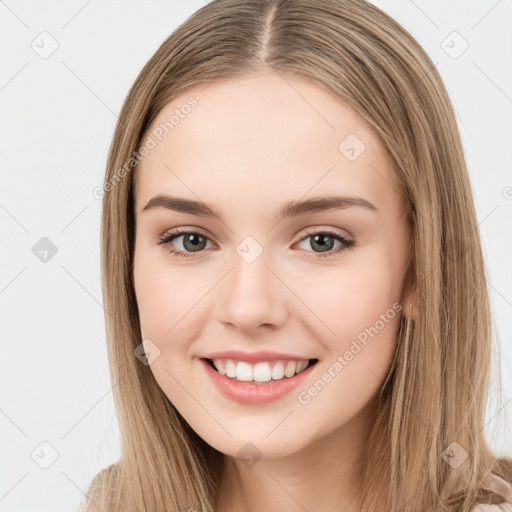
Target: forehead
(266,135)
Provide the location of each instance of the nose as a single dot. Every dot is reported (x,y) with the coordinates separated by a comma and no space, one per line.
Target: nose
(253,297)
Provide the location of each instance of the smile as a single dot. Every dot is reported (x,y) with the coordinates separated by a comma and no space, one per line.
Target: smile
(264,371)
(250,391)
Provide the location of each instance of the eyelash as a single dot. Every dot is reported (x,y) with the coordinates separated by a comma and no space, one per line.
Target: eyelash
(166,240)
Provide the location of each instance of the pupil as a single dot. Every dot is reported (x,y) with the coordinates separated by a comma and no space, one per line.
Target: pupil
(195,240)
(318,239)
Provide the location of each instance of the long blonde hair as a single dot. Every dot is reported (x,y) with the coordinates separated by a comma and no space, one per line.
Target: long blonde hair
(435,392)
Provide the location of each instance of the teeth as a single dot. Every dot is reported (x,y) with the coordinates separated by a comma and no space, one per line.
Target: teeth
(278,371)
(259,372)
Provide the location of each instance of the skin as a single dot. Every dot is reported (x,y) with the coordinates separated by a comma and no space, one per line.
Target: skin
(249,146)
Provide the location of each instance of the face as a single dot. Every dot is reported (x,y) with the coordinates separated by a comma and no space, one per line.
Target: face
(307,283)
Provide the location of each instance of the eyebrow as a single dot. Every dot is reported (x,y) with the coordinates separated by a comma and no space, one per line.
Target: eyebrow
(289,209)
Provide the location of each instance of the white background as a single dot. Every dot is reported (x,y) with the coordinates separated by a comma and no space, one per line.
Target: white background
(57,120)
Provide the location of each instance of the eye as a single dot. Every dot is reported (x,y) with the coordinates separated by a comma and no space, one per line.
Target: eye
(192,241)
(324,241)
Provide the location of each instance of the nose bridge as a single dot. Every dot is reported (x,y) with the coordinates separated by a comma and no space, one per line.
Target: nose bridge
(252,294)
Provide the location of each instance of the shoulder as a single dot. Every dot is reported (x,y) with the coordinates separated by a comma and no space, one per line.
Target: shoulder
(98,490)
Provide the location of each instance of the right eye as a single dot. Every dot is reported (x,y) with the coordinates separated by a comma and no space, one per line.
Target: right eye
(192,241)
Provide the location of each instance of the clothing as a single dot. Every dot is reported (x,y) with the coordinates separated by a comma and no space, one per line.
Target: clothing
(502,507)
(502,487)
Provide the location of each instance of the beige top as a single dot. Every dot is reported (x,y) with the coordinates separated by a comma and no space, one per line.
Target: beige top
(502,507)
(500,486)
(493,482)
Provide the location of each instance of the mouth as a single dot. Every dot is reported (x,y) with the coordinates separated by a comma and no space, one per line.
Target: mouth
(258,385)
(311,362)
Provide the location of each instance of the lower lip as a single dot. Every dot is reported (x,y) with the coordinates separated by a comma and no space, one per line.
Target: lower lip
(247,393)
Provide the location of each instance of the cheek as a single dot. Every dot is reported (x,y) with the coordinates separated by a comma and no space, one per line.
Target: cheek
(360,311)
(172,303)
(358,333)
(350,299)
(168,304)
(156,304)
(157,293)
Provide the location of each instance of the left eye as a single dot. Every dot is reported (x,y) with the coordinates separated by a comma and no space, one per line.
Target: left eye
(324,240)
(194,242)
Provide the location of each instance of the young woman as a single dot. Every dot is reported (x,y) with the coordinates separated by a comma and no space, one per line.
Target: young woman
(297,308)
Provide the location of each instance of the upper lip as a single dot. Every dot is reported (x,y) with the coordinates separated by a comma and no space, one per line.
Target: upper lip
(254,357)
